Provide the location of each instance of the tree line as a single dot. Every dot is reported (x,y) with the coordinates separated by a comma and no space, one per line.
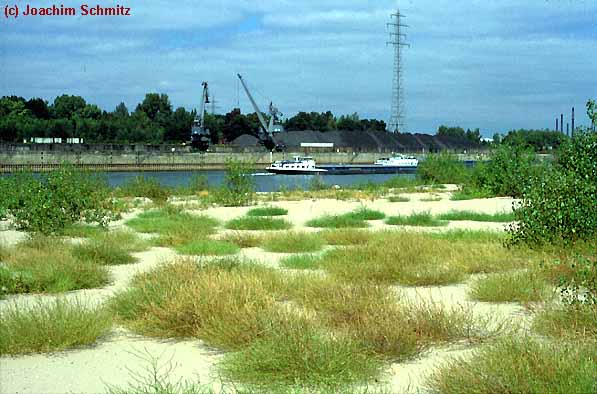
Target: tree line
(153,121)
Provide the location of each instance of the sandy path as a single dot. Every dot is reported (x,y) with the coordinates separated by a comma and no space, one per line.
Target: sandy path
(87,370)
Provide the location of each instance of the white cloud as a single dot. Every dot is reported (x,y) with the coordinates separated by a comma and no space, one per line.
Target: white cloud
(489,64)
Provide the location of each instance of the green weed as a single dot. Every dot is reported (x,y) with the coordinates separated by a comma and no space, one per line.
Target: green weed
(258,223)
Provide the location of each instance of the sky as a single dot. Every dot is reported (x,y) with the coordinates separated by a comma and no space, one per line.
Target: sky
(496,65)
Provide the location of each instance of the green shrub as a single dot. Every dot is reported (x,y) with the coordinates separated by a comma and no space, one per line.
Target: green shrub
(558,205)
(398,199)
(506,172)
(51,326)
(442,168)
(48,204)
(239,186)
(141,186)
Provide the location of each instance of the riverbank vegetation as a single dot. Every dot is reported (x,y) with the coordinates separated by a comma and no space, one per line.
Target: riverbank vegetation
(352,298)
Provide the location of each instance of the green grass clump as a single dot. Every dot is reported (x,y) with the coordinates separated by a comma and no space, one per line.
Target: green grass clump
(346,236)
(364,213)
(296,352)
(567,321)
(267,211)
(424,219)
(46,265)
(517,286)
(301,261)
(208,247)
(462,195)
(337,221)
(398,199)
(51,326)
(110,248)
(225,304)
(519,365)
(173,225)
(293,242)
(477,217)
(258,223)
(417,259)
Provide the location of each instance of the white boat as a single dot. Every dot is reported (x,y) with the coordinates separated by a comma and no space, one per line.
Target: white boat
(398,161)
(298,165)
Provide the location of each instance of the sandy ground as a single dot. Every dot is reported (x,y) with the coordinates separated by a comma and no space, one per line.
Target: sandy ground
(113,359)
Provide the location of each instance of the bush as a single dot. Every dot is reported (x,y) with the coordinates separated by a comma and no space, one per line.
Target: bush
(558,205)
(239,186)
(48,204)
(141,186)
(504,174)
(442,168)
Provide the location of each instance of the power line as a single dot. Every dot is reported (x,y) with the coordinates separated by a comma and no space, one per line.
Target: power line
(397,122)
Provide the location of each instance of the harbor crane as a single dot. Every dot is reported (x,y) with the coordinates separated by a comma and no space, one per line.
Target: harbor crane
(267,129)
(199,134)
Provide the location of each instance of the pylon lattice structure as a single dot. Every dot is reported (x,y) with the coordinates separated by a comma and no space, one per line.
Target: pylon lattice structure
(397,37)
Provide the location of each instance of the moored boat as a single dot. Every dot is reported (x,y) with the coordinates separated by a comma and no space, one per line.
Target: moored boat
(298,165)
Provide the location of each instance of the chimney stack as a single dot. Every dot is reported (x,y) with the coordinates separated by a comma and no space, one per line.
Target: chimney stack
(562,123)
(572,121)
(557,120)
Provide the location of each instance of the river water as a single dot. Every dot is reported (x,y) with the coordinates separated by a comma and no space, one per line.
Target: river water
(264,182)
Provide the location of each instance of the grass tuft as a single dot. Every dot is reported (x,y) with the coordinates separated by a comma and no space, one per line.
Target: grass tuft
(295,352)
(346,236)
(517,286)
(364,213)
(567,321)
(45,264)
(293,242)
(110,248)
(226,304)
(477,217)
(336,221)
(173,225)
(242,239)
(519,365)
(398,199)
(424,219)
(267,211)
(302,262)
(208,247)
(52,326)
(258,223)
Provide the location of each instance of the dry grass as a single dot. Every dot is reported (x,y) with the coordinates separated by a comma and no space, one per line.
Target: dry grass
(226,305)
(578,321)
(346,236)
(242,239)
(513,286)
